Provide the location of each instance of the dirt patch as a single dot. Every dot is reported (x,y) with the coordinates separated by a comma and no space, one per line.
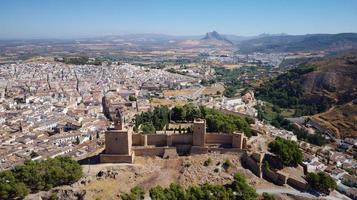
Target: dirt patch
(342,120)
(166,102)
(148,172)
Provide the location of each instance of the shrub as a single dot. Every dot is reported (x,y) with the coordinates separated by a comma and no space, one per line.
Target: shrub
(136,193)
(268,196)
(132,98)
(208,162)
(238,189)
(227,164)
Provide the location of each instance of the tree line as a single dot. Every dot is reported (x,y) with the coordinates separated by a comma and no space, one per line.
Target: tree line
(239,189)
(37,176)
(217,121)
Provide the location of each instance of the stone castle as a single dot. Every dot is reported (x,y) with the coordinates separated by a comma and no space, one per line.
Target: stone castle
(122,145)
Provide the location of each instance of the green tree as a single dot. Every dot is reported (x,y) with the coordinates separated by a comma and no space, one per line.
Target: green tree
(10,187)
(243,190)
(321,182)
(38,175)
(178,113)
(288,151)
(132,98)
(148,128)
(136,193)
(239,190)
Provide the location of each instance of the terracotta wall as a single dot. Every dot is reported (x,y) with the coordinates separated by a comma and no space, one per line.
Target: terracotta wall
(157,140)
(251,164)
(155,151)
(297,184)
(217,138)
(110,158)
(224,150)
(181,139)
(275,176)
(138,139)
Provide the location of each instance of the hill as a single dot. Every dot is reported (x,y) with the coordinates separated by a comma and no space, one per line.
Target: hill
(342,120)
(294,43)
(216,37)
(211,39)
(324,85)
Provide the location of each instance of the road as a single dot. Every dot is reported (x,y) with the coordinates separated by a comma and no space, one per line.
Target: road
(284,191)
(298,193)
(198,93)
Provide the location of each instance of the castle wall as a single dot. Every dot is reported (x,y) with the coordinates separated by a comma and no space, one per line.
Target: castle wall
(198,150)
(181,139)
(275,176)
(122,145)
(157,140)
(138,139)
(252,164)
(237,141)
(154,151)
(217,138)
(226,150)
(115,158)
(297,184)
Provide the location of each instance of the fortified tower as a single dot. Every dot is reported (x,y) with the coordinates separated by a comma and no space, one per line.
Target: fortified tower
(118,142)
(199,132)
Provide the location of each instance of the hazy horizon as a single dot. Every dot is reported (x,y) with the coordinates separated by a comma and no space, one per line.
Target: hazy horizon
(35,19)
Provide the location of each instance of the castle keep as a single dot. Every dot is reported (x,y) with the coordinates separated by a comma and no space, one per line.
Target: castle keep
(121,145)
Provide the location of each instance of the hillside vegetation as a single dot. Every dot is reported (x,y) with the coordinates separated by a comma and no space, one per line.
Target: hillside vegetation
(238,189)
(313,87)
(324,85)
(37,176)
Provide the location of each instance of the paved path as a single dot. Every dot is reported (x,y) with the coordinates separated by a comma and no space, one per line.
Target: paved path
(198,92)
(297,193)
(284,191)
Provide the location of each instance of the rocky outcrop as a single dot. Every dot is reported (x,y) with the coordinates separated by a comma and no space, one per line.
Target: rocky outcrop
(63,192)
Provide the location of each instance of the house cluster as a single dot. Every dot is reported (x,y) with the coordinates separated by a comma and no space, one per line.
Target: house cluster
(339,165)
(52,109)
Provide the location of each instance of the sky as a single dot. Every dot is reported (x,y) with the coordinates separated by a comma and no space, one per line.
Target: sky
(87,18)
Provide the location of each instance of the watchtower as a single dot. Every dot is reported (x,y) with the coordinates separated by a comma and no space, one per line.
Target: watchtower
(118,142)
(199,132)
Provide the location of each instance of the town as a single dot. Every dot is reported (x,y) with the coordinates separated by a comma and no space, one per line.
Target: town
(50,108)
(178,100)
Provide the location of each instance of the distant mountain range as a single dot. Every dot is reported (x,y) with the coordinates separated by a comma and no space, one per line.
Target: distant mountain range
(261,43)
(294,43)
